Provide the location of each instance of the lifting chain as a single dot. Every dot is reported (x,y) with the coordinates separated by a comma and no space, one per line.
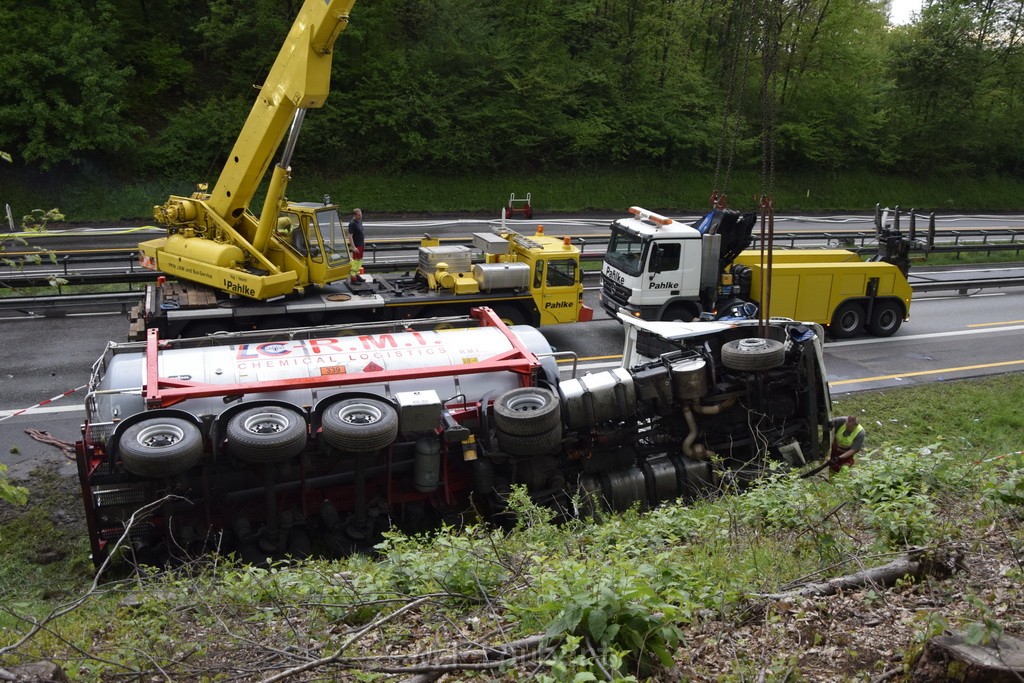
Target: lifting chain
(769,121)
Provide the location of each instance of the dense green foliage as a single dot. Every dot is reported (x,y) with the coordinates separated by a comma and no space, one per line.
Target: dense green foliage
(114,89)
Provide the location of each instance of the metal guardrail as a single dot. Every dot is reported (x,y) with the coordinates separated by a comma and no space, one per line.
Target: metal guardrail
(124,268)
(59,305)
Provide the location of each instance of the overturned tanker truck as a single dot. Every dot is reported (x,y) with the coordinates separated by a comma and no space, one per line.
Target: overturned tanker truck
(315,440)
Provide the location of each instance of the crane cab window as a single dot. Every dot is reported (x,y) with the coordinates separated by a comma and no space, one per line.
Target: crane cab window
(289,231)
(332,232)
(561,273)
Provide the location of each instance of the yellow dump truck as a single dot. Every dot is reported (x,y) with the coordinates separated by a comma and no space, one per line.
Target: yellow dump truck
(656,268)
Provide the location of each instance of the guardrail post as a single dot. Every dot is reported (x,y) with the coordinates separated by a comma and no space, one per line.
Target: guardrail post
(878,218)
(896,219)
(931,231)
(913,224)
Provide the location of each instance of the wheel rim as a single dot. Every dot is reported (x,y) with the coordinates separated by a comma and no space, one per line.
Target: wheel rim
(160,436)
(361,414)
(848,321)
(266,423)
(752,344)
(887,319)
(526,404)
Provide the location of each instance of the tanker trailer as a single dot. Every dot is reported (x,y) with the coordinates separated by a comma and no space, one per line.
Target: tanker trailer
(316,440)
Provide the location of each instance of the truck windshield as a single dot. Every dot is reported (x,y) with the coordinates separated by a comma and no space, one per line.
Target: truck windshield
(332,232)
(625,251)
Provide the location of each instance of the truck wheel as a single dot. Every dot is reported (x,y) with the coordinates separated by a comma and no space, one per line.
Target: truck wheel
(533,444)
(527,411)
(680,312)
(886,319)
(444,312)
(266,434)
(847,321)
(360,425)
(753,354)
(510,314)
(161,447)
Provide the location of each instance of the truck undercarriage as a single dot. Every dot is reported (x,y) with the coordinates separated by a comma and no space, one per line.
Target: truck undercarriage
(315,440)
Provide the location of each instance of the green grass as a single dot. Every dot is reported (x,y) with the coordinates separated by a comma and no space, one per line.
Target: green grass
(986,420)
(91,198)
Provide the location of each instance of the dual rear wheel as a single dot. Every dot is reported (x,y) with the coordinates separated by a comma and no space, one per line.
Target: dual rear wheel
(850,319)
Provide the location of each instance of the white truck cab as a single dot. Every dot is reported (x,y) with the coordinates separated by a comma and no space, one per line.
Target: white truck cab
(659,269)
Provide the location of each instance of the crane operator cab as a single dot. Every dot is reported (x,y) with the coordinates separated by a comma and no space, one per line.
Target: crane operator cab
(318,235)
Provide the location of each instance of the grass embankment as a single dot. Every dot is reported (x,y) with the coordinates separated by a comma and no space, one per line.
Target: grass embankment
(88,198)
(682,585)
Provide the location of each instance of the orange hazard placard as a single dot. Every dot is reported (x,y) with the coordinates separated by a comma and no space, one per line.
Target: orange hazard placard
(333,370)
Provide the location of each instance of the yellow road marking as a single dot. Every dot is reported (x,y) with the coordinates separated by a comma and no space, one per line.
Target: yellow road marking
(927,372)
(580,360)
(1007,322)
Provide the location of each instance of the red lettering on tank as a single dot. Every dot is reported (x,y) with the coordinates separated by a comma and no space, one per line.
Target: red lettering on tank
(379,342)
(319,346)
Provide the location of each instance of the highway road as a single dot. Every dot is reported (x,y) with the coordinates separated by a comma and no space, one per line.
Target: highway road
(103,238)
(948,337)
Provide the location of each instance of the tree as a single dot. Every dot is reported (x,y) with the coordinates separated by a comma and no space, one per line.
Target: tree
(64,86)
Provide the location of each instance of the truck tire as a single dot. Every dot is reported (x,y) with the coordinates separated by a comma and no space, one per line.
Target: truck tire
(266,434)
(360,425)
(886,318)
(753,354)
(510,314)
(848,320)
(527,411)
(530,445)
(161,447)
(681,312)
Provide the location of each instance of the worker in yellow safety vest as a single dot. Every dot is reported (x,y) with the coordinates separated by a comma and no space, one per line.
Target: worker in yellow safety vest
(847,441)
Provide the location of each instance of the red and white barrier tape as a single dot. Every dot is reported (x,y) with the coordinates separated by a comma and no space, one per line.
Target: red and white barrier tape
(42,403)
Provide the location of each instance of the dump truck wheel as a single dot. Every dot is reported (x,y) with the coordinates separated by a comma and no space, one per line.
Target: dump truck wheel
(526,411)
(161,447)
(753,354)
(533,444)
(847,321)
(885,319)
(266,434)
(360,425)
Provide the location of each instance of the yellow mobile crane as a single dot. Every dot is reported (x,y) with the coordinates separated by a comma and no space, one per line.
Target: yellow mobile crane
(213,238)
(233,270)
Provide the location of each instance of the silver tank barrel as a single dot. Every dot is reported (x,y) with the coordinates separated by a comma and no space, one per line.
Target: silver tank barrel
(117,382)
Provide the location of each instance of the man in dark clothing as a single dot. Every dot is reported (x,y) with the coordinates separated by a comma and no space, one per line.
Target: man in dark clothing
(847,441)
(356,242)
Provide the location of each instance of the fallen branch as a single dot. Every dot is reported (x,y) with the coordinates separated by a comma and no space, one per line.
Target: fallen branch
(915,564)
